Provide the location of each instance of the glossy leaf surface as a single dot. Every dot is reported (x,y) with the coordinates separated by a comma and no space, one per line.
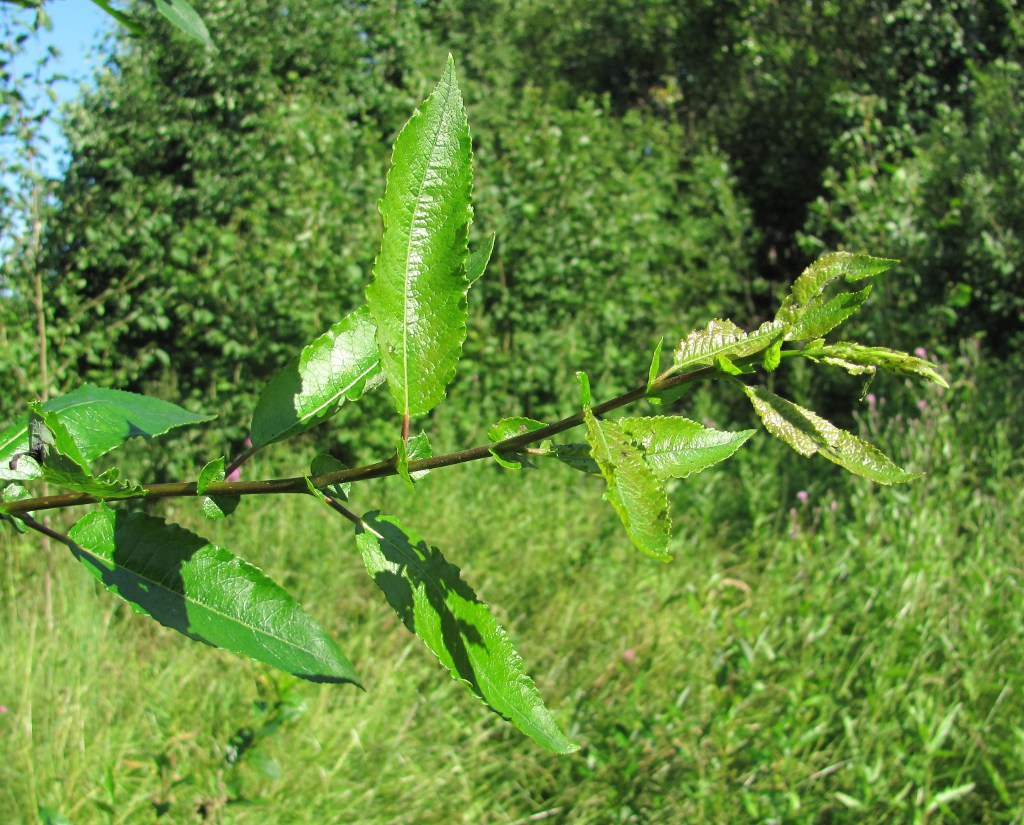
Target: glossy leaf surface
(339,366)
(675,447)
(204,592)
(91,421)
(634,491)
(432,600)
(812,281)
(418,293)
(722,339)
(858,360)
(808,433)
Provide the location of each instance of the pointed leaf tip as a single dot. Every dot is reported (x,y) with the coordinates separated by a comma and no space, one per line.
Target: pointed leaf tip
(417,295)
(434,602)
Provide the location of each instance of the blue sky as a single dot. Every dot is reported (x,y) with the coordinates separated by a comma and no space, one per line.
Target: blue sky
(78,26)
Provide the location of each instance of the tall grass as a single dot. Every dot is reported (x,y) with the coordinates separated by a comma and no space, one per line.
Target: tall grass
(851,653)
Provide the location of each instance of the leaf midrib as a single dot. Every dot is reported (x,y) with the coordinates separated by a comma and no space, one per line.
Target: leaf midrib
(407,286)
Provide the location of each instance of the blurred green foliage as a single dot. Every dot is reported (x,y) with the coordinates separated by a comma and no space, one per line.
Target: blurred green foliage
(645,165)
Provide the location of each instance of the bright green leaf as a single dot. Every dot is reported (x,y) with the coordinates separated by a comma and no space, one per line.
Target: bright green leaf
(432,600)
(340,365)
(858,360)
(182,15)
(418,293)
(215,507)
(203,591)
(675,447)
(828,268)
(655,369)
(416,448)
(634,491)
(808,433)
(820,317)
(511,427)
(723,339)
(92,421)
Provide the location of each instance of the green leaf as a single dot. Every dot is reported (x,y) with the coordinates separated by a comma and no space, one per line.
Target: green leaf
(182,15)
(418,293)
(585,397)
(15,463)
(820,317)
(432,600)
(416,448)
(63,471)
(340,365)
(808,433)
(215,507)
(858,360)
(828,268)
(633,490)
(578,457)
(125,20)
(14,492)
(510,428)
(478,260)
(324,464)
(655,369)
(675,447)
(723,339)
(203,591)
(91,421)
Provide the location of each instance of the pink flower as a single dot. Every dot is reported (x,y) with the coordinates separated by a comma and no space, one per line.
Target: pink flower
(234,475)
(629,655)
(834,505)
(870,397)
(921,352)
(803,496)
(922,404)
(3,709)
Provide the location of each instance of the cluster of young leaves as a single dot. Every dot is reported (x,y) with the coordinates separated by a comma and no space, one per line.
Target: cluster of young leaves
(409,335)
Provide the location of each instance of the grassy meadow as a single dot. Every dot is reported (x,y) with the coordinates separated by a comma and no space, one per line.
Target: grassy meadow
(822,650)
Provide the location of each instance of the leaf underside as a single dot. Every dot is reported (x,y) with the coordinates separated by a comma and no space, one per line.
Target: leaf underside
(808,433)
(432,600)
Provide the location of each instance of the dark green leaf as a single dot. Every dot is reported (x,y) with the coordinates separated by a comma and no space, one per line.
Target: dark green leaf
(203,591)
(324,464)
(432,600)
(808,433)
(418,293)
(125,20)
(61,470)
(674,447)
(478,260)
(633,490)
(340,365)
(578,457)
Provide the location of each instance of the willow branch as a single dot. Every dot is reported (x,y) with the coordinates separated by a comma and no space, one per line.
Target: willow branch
(380,469)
